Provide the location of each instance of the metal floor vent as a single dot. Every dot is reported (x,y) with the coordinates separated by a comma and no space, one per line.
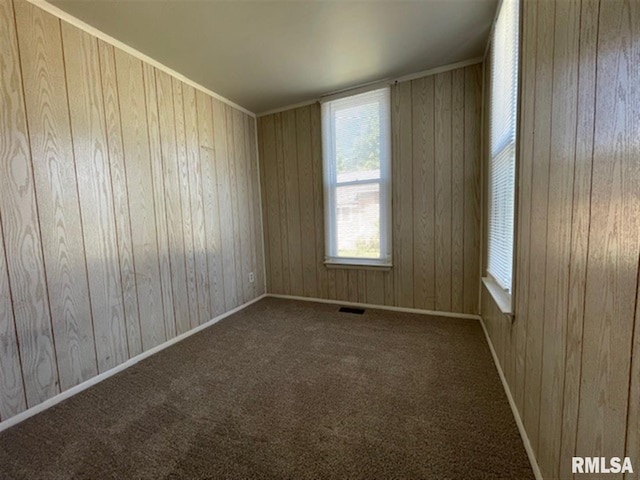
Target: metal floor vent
(357,311)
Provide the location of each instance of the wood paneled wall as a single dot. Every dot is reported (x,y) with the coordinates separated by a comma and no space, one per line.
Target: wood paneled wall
(129,207)
(436,200)
(571,356)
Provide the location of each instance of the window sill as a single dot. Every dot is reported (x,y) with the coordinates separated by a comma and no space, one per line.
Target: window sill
(359,265)
(502,298)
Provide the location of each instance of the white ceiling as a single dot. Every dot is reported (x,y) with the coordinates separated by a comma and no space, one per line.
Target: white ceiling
(266,54)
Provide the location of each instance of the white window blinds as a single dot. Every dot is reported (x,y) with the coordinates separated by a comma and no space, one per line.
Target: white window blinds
(357,183)
(502,164)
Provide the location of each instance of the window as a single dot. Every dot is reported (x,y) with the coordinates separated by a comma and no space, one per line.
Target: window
(357,179)
(502,162)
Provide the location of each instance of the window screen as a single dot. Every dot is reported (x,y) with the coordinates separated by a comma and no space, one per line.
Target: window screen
(502,164)
(356,155)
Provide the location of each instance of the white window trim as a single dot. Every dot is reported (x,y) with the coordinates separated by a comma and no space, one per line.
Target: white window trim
(331,184)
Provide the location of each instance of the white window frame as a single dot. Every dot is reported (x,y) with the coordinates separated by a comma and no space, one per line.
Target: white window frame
(503,149)
(331,184)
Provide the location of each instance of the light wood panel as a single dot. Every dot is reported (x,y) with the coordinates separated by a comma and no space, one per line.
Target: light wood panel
(211,203)
(21,229)
(106,196)
(436,194)
(58,206)
(96,195)
(155,150)
(185,194)
(117,348)
(577,262)
(140,193)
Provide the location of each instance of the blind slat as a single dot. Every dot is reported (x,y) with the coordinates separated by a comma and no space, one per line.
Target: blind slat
(502,165)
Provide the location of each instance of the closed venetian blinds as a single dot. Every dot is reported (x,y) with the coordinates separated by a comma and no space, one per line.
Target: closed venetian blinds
(502,164)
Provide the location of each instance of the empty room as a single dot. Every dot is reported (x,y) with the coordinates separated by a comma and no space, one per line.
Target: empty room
(320,239)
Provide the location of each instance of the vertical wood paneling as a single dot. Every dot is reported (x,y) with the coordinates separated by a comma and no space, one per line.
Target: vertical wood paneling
(196,202)
(220,127)
(12,399)
(185,195)
(141,206)
(244,257)
(471,187)
(424,149)
(292,198)
(282,208)
(96,195)
(318,199)
(155,150)
(539,212)
(21,230)
(443,213)
(232,165)
(614,243)
(108,168)
(402,193)
(578,251)
(561,175)
(211,203)
(457,188)
(256,210)
(56,192)
(269,173)
(579,228)
(114,348)
(173,202)
(307,213)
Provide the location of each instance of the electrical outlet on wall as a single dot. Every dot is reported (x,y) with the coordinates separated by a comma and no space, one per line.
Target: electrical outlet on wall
(251,277)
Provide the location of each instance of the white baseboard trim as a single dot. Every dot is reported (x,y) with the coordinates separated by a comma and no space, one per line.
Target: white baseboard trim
(22,416)
(434,313)
(514,409)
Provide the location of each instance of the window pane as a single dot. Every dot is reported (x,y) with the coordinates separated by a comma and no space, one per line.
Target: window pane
(358,220)
(357,134)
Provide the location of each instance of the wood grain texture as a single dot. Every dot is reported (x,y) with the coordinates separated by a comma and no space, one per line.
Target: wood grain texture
(196,203)
(561,176)
(402,193)
(113,347)
(578,252)
(457,188)
(21,229)
(108,169)
(224,194)
(141,202)
(294,220)
(173,201)
(211,204)
(614,243)
(185,194)
(232,166)
(539,213)
(57,194)
(443,211)
(424,259)
(243,220)
(12,397)
(256,201)
(155,151)
(96,195)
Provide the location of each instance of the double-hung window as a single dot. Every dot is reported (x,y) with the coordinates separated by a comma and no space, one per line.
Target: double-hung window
(502,161)
(357,179)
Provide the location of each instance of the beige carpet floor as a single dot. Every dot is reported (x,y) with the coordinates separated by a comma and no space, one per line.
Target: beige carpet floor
(288,390)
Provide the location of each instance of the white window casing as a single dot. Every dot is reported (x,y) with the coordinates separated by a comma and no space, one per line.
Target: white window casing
(356,142)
